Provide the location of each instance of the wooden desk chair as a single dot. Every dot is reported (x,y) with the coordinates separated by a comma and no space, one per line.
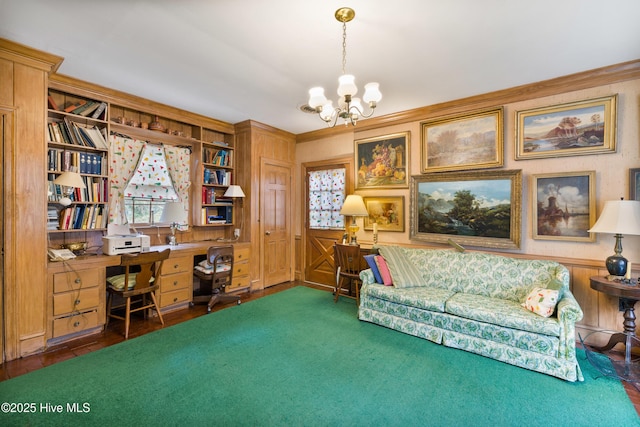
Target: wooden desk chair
(216,277)
(133,284)
(347,259)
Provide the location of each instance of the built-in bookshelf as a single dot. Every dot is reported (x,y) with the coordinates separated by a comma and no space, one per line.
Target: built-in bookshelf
(77,134)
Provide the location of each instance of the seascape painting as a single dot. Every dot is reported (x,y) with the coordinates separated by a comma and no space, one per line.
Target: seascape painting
(572,129)
(480,209)
(564,206)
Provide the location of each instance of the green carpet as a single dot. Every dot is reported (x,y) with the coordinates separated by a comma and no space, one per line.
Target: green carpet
(296,358)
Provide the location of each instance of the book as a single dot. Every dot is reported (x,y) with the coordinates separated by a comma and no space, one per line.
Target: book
(89,108)
(73,105)
(52,103)
(98,111)
(83,106)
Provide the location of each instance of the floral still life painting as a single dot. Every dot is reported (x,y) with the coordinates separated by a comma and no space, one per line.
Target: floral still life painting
(382,161)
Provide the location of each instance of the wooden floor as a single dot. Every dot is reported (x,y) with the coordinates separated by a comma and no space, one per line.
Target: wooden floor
(114,334)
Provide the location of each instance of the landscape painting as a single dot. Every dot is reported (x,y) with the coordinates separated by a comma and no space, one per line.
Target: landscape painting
(578,128)
(477,209)
(564,206)
(469,141)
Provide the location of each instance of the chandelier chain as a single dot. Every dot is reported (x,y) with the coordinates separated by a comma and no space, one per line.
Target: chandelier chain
(344,46)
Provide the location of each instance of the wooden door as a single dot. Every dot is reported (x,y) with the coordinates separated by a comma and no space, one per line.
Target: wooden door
(277,230)
(319,265)
(4,134)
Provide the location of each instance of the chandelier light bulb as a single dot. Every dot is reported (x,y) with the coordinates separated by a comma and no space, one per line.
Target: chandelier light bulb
(372,93)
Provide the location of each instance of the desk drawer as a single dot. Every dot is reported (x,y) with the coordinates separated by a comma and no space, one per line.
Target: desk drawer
(66,302)
(173,282)
(68,281)
(75,323)
(174,297)
(241,269)
(177,265)
(238,282)
(241,254)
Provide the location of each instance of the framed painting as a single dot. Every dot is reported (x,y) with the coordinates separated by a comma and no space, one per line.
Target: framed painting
(469,141)
(481,208)
(564,206)
(387,212)
(634,184)
(577,128)
(382,162)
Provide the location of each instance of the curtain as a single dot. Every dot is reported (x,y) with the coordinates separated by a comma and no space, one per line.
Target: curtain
(125,155)
(326,196)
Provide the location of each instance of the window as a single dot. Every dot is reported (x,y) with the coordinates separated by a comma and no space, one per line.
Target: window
(326,196)
(143,211)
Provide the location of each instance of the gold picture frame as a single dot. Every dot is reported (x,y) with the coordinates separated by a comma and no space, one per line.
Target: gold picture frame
(383,161)
(572,129)
(481,208)
(468,141)
(564,206)
(386,211)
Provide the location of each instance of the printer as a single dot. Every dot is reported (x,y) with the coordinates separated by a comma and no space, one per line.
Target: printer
(119,240)
(118,244)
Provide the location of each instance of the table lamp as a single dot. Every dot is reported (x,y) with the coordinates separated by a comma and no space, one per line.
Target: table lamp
(173,214)
(618,217)
(68,181)
(235,192)
(354,206)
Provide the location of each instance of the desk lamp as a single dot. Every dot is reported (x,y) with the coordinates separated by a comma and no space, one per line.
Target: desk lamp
(235,192)
(354,206)
(173,214)
(69,181)
(618,217)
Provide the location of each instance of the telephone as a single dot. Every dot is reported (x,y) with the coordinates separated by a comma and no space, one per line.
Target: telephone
(60,254)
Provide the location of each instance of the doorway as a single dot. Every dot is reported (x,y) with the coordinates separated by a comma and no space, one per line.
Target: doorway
(318,240)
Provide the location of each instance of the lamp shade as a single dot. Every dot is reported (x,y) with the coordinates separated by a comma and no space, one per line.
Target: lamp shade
(173,213)
(619,217)
(70,179)
(354,206)
(234,191)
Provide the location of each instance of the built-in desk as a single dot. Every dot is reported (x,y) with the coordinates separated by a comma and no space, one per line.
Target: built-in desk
(76,288)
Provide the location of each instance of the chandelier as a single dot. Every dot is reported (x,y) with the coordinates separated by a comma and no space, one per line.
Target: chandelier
(349,107)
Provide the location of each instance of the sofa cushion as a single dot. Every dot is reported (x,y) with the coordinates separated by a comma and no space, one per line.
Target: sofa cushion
(403,272)
(374,267)
(432,299)
(501,312)
(384,270)
(542,301)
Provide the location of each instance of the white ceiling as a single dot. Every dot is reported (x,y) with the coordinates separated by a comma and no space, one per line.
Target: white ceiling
(256,59)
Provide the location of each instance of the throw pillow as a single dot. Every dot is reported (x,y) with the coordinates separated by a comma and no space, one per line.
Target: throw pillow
(384,270)
(541,301)
(374,267)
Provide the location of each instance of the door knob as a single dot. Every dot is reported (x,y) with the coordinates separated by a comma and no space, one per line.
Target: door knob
(268,233)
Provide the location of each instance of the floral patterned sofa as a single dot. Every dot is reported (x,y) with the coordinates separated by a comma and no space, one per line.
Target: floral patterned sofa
(475,302)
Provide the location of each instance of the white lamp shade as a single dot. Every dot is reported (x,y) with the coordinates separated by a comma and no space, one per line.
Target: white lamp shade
(173,213)
(316,97)
(372,93)
(234,191)
(347,85)
(327,111)
(354,206)
(355,103)
(619,217)
(70,179)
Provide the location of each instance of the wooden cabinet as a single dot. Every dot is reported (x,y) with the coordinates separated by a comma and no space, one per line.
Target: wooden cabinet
(176,282)
(240,281)
(77,302)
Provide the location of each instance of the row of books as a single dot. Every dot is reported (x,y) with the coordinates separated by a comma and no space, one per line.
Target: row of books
(83,217)
(217,157)
(96,191)
(63,160)
(216,177)
(221,215)
(208,196)
(82,107)
(69,132)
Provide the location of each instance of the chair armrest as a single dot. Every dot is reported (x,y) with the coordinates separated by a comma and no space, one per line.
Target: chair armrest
(367,277)
(568,309)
